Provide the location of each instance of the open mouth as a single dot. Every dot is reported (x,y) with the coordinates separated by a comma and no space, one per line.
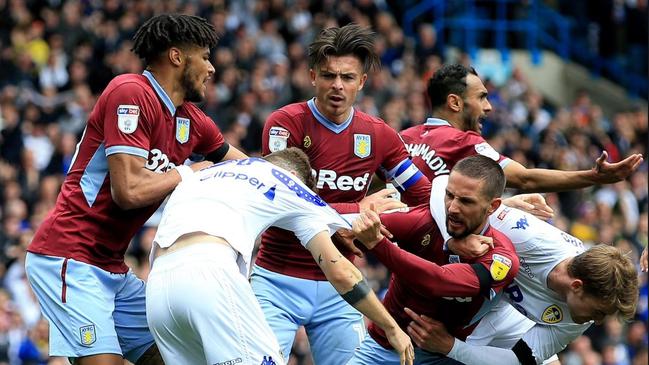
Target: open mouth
(336,99)
(454,222)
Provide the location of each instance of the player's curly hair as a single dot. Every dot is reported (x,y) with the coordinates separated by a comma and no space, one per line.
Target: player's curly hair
(608,276)
(352,39)
(161,32)
(449,79)
(294,159)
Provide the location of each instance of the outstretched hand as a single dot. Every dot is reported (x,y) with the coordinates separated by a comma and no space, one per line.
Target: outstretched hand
(608,173)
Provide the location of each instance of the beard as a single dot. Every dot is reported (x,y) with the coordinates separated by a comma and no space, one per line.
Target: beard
(470,124)
(192,93)
(468,229)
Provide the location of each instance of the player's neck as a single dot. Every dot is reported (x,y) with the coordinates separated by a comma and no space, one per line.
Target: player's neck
(449,117)
(340,119)
(559,279)
(171,86)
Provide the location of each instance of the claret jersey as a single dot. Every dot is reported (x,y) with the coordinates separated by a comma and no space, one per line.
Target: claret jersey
(135,116)
(434,282)
(436,146)
(238,199)
(344,158)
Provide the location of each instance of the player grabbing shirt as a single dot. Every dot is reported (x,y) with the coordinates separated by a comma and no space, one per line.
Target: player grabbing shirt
(458,294)
(133,116)
(560,286)
(130,157)
(200,306)
(438,283)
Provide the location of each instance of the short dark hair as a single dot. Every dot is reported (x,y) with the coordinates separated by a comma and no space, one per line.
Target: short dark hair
(352,39)
(449,79)
(161,32)
(483,168)
(295,159)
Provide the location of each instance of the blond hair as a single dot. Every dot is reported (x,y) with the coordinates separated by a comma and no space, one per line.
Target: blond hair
(608,275)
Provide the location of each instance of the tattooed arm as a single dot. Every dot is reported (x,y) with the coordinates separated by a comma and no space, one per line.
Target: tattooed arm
(351,285)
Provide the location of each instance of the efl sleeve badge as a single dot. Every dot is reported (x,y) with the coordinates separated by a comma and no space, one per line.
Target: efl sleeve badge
(500,267)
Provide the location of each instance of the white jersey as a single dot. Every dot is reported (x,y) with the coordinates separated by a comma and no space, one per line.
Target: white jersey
(540,247)
(239,199)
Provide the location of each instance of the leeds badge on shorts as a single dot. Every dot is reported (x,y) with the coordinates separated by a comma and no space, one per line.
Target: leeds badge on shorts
(127,118)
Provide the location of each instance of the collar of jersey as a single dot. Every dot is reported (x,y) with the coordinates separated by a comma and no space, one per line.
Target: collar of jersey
(161,92)
(436,122)
(486,227)
(336,128)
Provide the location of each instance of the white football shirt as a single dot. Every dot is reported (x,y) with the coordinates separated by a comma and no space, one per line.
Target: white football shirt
(238,200)
(540,247)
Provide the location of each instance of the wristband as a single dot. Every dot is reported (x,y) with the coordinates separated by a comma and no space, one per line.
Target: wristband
(185,172)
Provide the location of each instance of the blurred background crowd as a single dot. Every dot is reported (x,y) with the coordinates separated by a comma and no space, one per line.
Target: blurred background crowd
(56,57)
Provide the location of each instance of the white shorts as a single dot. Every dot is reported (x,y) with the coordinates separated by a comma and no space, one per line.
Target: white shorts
(201,310)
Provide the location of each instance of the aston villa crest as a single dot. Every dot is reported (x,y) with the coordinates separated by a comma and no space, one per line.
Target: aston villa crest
(88,336)
(182,129)
(362,145)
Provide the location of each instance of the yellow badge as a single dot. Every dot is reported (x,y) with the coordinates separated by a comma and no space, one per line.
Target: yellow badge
(552,314)
(307,142)
(426,240)
(88,336)
(362,145)
(500,267)
(182,129)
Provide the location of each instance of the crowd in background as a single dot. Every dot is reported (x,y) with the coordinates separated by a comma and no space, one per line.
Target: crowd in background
(56,57)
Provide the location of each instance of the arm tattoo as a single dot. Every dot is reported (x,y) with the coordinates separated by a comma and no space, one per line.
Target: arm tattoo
(337,258)
(358,292)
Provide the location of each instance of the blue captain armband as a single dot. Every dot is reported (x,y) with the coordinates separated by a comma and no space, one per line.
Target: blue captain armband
(404,175)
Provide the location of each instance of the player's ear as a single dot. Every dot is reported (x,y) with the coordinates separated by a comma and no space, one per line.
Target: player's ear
(175,56)
(312,74)
(363,79)
(454,102)
(495,204)
(577,286)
